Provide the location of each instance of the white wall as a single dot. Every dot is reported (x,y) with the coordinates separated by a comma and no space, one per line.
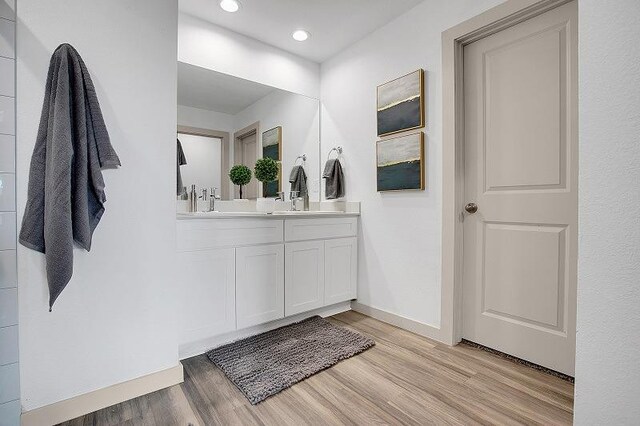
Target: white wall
(399,255)
(608,339)
(114,321)
(205,119)
(209,46)
(300,121)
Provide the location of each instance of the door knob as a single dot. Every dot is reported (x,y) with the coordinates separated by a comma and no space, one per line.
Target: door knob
(471,208)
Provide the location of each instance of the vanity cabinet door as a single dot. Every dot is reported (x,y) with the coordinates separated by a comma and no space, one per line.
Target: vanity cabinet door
(341,270)
(207,289)
(304,276)
(259,284)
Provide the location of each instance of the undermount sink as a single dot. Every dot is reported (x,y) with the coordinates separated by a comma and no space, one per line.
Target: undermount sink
(302,213)
(275,213)
(217,213)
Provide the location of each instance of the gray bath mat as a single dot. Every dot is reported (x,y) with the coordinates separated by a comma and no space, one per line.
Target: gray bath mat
(263,365)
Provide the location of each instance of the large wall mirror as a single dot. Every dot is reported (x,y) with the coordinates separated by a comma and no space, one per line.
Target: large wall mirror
(224,121)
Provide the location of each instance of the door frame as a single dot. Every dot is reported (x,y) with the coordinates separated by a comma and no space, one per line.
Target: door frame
(224,154)
(505,15)
(238,135)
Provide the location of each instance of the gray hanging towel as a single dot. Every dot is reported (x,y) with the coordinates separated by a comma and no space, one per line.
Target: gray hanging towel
(334,179)
(65,199)
(181,161)
(298,180)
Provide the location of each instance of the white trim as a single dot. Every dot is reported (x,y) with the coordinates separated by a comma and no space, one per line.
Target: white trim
(201,346)
(413,326)
(454,39)
(89,402)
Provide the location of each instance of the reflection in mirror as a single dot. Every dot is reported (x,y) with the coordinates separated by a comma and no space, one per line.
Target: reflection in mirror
(225,121)
(205,160)
(272,148)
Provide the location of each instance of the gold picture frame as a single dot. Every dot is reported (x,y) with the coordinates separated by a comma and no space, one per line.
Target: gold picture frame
(400,104)
(398,168)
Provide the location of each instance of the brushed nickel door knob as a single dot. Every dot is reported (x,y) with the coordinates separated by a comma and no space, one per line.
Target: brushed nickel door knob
(471,208)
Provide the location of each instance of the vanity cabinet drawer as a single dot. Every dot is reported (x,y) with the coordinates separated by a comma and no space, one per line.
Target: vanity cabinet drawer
(318,229)
(216,233)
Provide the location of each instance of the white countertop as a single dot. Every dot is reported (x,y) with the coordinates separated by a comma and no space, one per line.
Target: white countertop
(259,215)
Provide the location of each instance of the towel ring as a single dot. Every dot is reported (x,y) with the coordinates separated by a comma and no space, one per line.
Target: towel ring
(337,149)
(303,157)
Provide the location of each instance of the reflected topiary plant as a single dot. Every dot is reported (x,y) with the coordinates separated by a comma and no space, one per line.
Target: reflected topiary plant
(266,170)
(240,175)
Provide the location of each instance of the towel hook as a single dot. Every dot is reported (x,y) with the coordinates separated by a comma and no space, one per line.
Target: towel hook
(337,149)
(303,157)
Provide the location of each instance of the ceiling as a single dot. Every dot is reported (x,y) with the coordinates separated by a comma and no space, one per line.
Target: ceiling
(333,24)
(214,91)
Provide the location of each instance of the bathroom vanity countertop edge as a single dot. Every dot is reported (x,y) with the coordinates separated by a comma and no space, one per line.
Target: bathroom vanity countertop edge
(231,215)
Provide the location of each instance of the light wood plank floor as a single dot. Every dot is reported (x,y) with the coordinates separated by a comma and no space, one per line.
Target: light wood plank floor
(404,379)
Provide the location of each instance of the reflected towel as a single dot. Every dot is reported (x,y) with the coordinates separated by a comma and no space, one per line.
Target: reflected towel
(181,160)
(298,180)
(334,179)
(65,199)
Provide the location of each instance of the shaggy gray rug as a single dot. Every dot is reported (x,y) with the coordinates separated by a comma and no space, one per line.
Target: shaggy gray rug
(263,365)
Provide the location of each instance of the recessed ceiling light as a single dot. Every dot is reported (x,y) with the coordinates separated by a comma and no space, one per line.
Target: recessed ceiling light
(230,5)
(300,35)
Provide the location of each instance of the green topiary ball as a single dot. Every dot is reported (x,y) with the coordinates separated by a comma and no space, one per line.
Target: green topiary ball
(266,170)
(240,174)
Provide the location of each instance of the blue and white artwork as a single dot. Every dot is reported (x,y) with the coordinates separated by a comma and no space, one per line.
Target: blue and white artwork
(400,104)
(400,163)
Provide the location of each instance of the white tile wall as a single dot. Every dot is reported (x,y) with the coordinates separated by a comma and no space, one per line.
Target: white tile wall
(8,345)
(7,38)
(7,153)
(8,307)
(10,408)
(7,231)
(9,383)
(7,192)
(8,275)
(7,115)
(8,73)
(10,412)
(8,9)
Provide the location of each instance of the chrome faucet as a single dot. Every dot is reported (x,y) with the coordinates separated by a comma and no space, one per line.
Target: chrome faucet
(293,196)
(213,196)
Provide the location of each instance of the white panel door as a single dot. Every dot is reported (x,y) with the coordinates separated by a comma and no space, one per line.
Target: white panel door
(259,284)
(303,277)
(521,152)
(341,270)
(246,153)
(208,290)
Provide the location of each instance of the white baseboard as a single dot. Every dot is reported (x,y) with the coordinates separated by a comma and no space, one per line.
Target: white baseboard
(89,402)
(413,326)
(201,346)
